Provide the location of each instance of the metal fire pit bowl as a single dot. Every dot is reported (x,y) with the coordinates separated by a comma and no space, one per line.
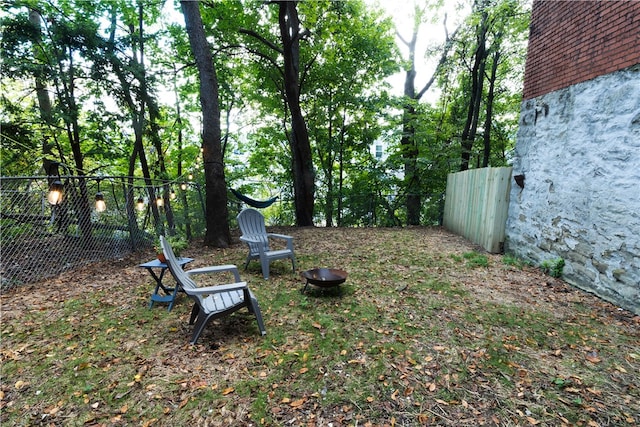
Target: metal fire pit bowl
(324,277)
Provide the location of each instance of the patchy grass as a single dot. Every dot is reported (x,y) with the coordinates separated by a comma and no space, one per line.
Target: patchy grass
(426,330)
(514,261)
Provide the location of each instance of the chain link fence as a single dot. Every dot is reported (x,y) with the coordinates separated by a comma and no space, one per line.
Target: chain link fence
(41,236)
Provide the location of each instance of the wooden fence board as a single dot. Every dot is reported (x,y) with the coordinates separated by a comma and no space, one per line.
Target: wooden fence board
(476,205)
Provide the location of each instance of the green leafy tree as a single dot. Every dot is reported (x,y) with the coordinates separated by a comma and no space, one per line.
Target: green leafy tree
(60,47)
(123,56)
(302,162)
(486,70)
(348,51)
(410,143)
(91,57)
(345,92)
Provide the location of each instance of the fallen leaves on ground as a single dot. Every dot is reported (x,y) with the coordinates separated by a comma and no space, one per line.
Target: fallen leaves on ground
(416,336)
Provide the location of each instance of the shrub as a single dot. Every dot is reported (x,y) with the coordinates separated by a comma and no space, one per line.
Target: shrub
(553,267)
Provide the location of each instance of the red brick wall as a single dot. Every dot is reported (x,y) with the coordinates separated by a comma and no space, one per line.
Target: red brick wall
(574,41)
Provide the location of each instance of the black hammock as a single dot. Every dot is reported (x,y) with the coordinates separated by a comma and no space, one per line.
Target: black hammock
(260,204)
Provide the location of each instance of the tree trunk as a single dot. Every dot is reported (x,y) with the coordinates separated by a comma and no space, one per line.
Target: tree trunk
(488,119)
(408,143)
(137,119)
(328,171)
(341,172)
(410,155)
(217,214)
(154,114)
(44,102)
(137,123)
(477,80)
(72,126)
(303,175)
(183,193)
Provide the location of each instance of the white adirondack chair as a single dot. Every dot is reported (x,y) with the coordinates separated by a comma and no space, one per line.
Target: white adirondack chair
(254,234)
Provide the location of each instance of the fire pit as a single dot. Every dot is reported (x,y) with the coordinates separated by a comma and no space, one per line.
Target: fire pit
(324,277)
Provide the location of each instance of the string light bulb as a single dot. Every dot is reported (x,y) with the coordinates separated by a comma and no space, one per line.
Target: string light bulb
(55,192)
(101,206)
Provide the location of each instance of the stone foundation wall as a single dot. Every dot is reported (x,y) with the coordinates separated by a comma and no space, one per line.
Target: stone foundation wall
(579,151)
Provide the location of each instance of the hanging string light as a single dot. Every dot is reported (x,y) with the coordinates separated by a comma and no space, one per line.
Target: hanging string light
(56,188)
(55,192)
(101,206)
(140,204)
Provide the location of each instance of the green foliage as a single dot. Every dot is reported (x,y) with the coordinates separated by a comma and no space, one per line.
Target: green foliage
(346,56)
(472,259)
(514,261)
(553,267)
(178,244)
(19,145)
(11,230)
(503,26)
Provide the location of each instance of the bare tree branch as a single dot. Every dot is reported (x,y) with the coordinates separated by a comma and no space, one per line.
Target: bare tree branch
(261,39)
(448,44)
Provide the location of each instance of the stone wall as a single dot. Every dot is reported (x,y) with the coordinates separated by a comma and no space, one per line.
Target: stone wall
(579,151)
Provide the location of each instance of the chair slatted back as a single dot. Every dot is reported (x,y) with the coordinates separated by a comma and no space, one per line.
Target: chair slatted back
(178,273)
(251,223)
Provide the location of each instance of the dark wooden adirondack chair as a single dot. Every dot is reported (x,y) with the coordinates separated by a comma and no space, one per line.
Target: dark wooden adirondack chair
(212,302)
(254,234)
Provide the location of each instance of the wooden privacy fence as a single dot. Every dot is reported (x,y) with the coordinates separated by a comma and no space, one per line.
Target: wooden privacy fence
(476,205)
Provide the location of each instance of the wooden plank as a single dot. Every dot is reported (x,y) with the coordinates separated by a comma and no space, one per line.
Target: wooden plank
(476,205)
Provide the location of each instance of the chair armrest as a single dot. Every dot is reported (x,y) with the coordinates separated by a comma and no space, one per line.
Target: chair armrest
(216,269)
(216,289)
(288,239)
(249,239)
(280,236)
